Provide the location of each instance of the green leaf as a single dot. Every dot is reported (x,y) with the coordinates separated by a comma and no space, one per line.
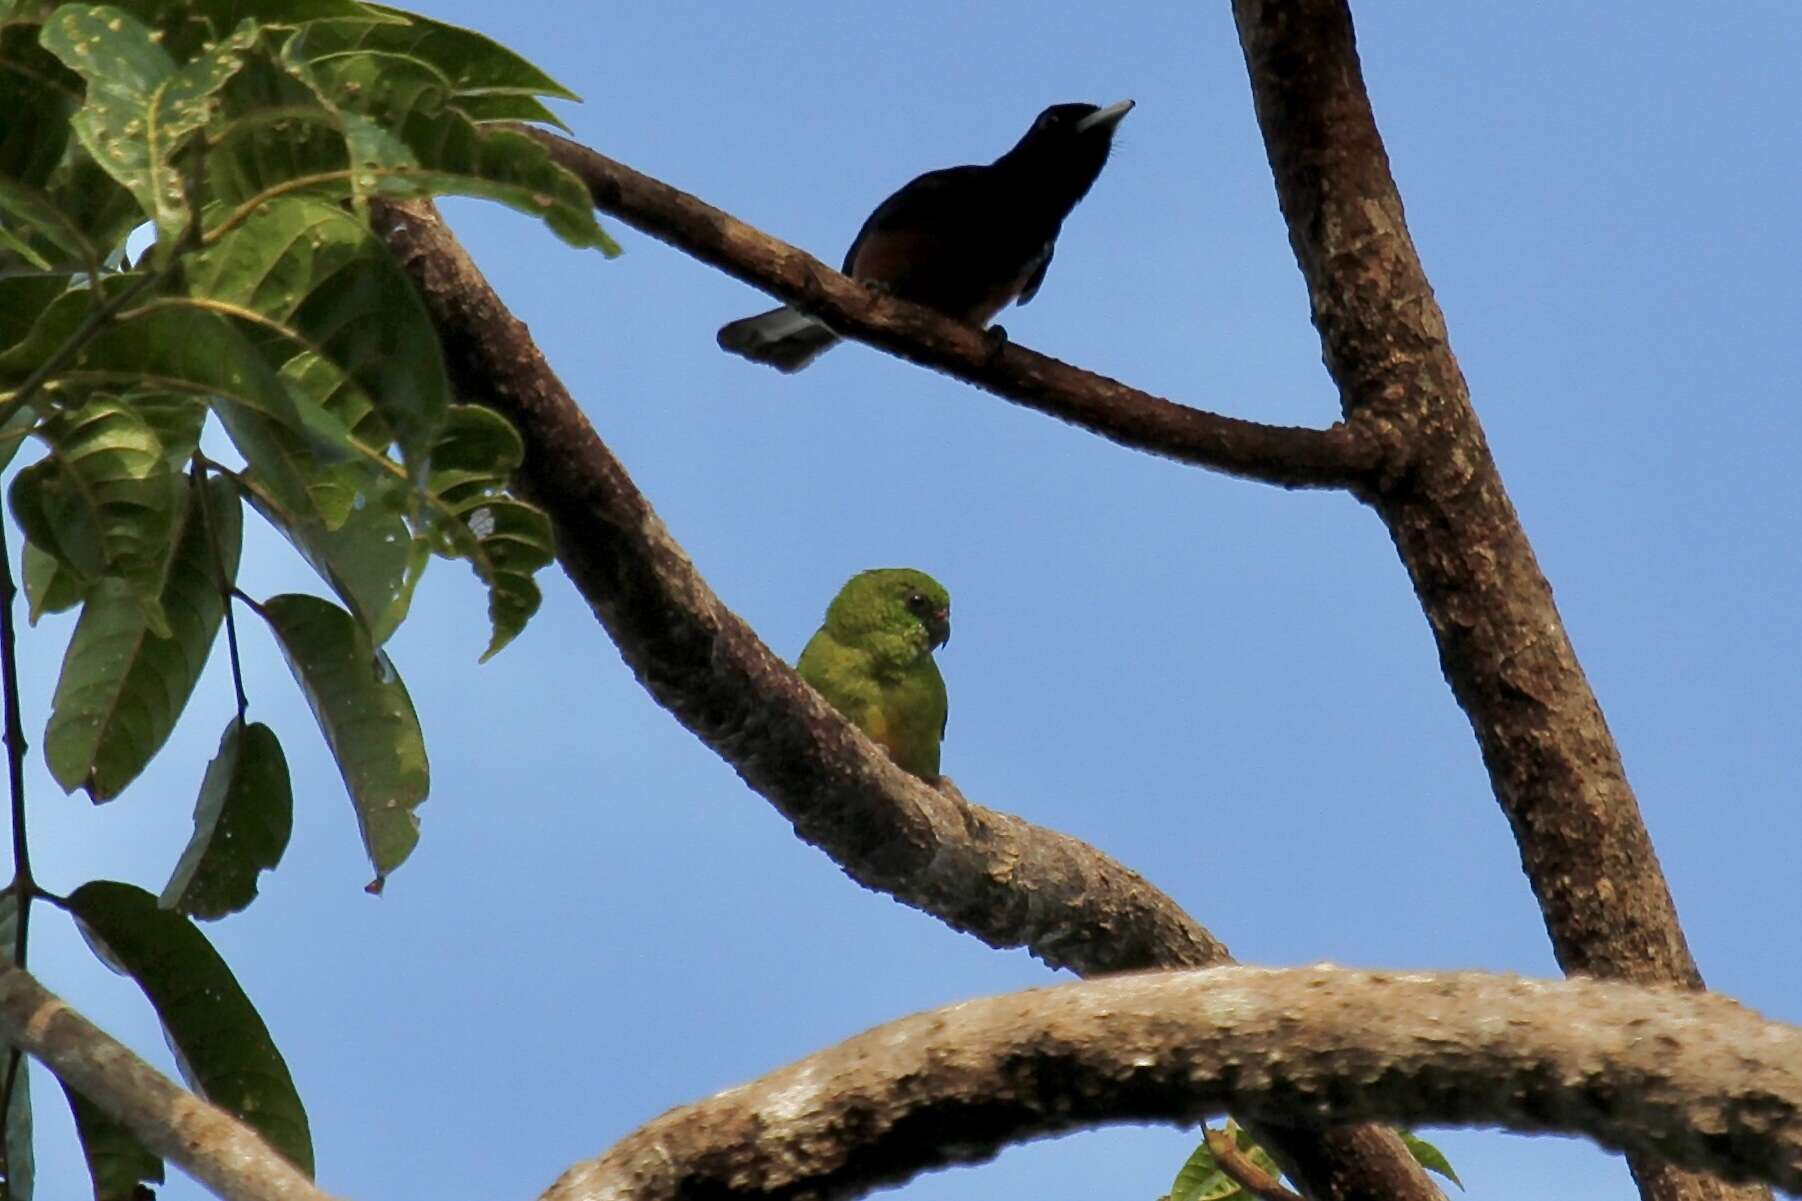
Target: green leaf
(50,587)
(18,1168)
(502,107)
(109,495)
(241,825)
(38,96)
(117,1162)
(367,718)
(221,1044)
(446,152)
(505,539)
(341,313)
(1429,1157)
(141,107)
(470,61)
(1200,1179)
(122,686)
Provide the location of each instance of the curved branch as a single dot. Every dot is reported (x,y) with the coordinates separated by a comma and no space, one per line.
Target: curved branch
(992,875)
(1342,456)
(208,1143)
(1693,1078)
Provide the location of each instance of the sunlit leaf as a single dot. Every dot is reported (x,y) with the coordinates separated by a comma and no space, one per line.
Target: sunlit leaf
(470,61)
(1430,1157)
(221,1043)
(117,1162)
(1200,1179)
(141,106)
(241,825)
(366,716)
(122,686)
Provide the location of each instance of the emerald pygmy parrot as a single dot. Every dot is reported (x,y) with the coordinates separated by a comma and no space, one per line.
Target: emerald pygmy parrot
(873,661)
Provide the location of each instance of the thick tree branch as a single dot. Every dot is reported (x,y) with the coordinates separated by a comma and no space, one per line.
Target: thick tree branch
(209,1144)
(1004,880)
(1693,1078)
(1553,763)
(1338,457)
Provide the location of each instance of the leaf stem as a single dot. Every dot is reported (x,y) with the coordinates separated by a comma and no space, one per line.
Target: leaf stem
(23,887)
(226,590)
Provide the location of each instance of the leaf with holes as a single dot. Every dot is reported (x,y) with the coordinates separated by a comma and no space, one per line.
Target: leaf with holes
(505,539)
(367,718)
(123,686)
(141,106)
(222,1046)
(241,825)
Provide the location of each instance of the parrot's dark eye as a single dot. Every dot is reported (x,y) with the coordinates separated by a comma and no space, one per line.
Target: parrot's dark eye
(917,602)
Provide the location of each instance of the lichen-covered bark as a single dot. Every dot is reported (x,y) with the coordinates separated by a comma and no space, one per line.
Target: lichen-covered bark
(1554,765)
(1690,1077)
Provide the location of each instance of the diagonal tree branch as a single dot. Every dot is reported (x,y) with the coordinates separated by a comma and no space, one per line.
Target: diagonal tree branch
(1554,765)
(1342,456)
(1693,1078)
(1002,879)
(208,1143)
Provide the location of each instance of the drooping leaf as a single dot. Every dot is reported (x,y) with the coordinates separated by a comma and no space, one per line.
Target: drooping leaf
(472,62)
(241,825)
(118,1164)
(1429,1157)
(50,587)
(141,105)
(505,539)
(18,1169)
(122,686)
(222,1046)
(109,496)
(339,300)
(366,716)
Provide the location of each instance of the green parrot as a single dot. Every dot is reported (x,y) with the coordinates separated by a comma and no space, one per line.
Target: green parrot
(873,661)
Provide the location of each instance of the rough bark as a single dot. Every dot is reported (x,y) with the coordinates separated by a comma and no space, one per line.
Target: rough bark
(1553,764)
(1004,880)
(209,1144)
(1692,1078)
(1275,454)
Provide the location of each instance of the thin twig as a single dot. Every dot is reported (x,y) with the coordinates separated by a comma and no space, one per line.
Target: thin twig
(23,888)
(1346,455)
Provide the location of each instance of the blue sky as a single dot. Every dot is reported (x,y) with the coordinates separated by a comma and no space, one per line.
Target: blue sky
(1228,687)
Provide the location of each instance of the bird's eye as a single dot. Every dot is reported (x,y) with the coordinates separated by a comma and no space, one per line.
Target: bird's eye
(917,602)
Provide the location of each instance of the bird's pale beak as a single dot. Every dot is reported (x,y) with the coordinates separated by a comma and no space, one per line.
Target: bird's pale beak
(938,628)
(1104,118)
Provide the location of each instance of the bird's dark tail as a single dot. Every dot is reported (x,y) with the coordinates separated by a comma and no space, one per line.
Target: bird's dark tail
(783,338)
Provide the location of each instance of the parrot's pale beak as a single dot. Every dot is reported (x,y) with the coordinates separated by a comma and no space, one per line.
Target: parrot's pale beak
(938,628)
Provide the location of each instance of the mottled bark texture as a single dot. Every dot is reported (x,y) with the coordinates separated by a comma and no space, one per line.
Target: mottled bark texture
(1692,1078)
(1552,761)
(1336,457)
(1004,880)
(209,1144)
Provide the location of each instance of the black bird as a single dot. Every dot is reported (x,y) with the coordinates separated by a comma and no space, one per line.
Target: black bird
(964,241)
